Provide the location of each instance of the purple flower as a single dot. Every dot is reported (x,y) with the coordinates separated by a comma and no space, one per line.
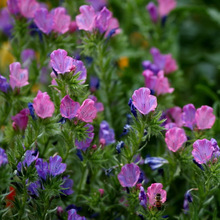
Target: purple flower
(84,144)
(129,175)
(143,101)
(67,185)
(4,85)
(142,197)
(147,65)
(202,151)
(80,68)
(31,110)
(152,9)
(97,4)
(103,19)
(68,108)
(55,166)
(72,215)
(188,116)
(187,199)
(13,6)
(27,56)
(42,168)
(60,62)
(106,133)
(33,188)
(155,162)
(6,22)
(132,108)
(44,20)
(30,157)
(158,58)
(216,152)
(3,157)
(94,83)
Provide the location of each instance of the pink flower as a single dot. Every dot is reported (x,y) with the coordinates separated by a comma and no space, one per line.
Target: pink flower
(21,119)
(162,85)
(188,116)
(174,138)
(79,65)
(13,6)
(103,19)
(175,115)
(205,118)
(143,101)
(113,28)
(43,106)
(153,190)
(61,20)
(60,62)
(18,76)
(44,20)
(87,111)
(129,175)
(68,108)
(28,7)
(165,6)
(202,151)
(150,79)
(86,20)
(170,64)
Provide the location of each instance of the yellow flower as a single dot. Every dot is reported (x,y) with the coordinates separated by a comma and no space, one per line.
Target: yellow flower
(123,62)
(6,57)
(3,3)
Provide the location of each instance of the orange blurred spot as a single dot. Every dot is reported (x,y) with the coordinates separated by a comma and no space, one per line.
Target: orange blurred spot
(6,56)
(35,88)
(3,3)
(123,62)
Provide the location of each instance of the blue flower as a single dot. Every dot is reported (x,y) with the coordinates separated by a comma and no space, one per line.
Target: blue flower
(155,162)
(31,109)
(3,157)
(133,109)
(119,146)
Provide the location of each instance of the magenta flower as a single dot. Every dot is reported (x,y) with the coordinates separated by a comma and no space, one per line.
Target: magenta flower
(152,9)
(21,119)
(43,106)
(129,175)
(170,64)
(87,111)
(103,19)
(86,20)
(61,20)
(205,118)
(150,79)
(13,6)
(162,85)
(28,7)
(18,76)
(188,116)
(202,151)
(68,108)
(165,6)
(174,138)
(60,62)
(153,190)
(84,144)
(143,101)
(80,68)
(44,20)
(72,27)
